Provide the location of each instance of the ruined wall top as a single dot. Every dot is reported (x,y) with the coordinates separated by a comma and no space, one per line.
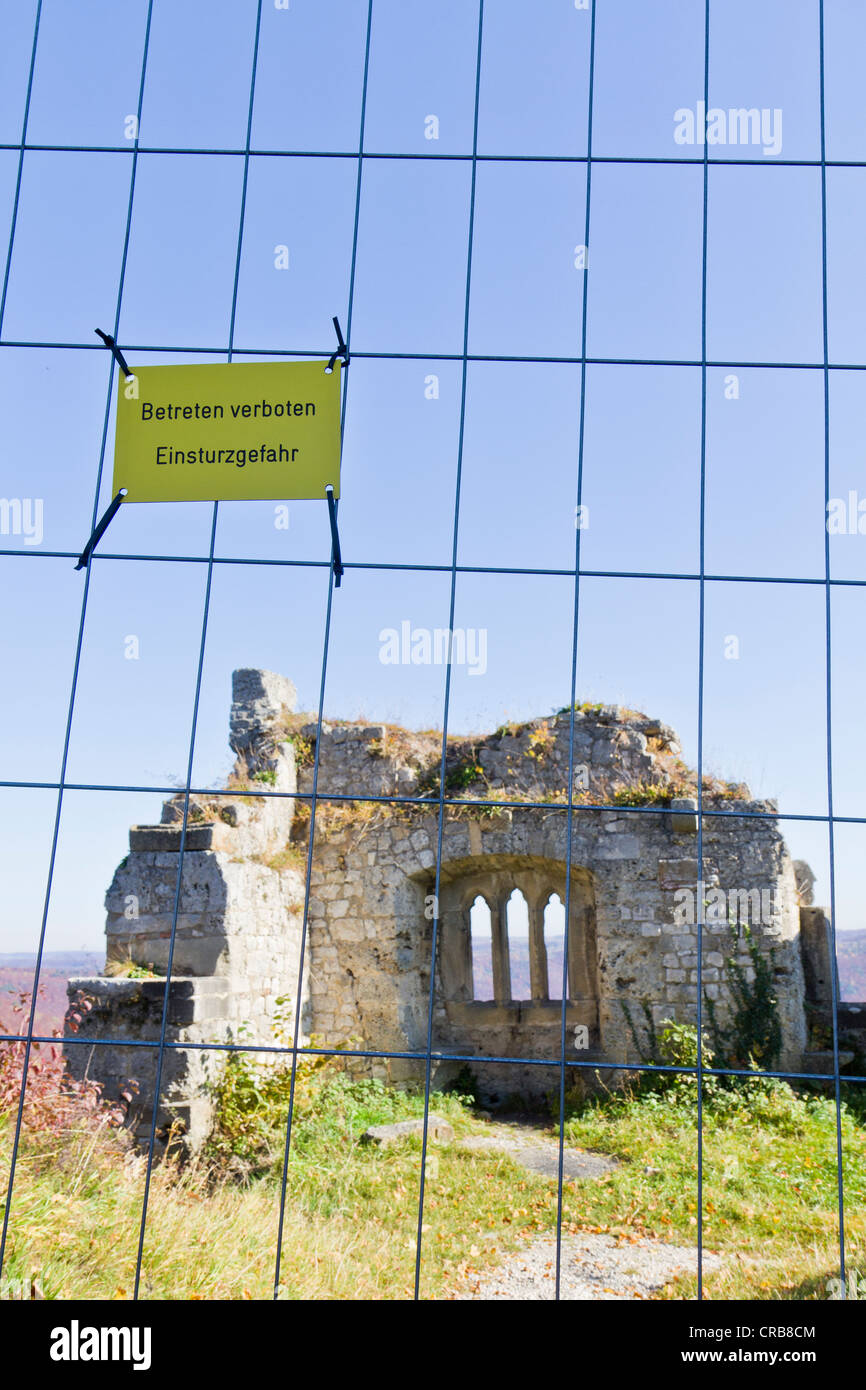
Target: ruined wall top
(615,751)
(262,711)
(615,755)
(261,702)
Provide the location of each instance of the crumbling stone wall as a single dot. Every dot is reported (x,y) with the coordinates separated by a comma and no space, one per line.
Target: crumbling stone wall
(634,874)
(367,916)
(373,876)
(239,921)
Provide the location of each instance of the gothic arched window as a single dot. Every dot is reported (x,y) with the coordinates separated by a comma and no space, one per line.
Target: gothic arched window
(503,934)
(517,930)
(554,943)
(481,942)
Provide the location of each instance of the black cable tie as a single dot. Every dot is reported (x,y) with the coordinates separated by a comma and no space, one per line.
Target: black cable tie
(336,557)
(100,529)
(341,350)
(115,351)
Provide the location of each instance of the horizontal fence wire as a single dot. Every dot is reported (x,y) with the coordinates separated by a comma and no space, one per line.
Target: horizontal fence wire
(563,360)
(288,1049)
(432,156)
(439,805)
(638,1068)
(479,803)
(694,578)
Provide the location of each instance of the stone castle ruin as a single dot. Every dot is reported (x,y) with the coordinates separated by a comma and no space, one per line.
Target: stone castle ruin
(635,892)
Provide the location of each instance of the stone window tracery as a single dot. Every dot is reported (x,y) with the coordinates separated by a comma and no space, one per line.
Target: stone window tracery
(503,931)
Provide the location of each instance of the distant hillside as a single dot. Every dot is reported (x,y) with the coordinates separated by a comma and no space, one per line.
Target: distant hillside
(16,975)
(850,951)
(482,973)
(851,958)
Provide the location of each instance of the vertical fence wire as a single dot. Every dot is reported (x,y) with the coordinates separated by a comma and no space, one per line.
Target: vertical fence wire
(825,338)
(161,1050)
(322,681)
(569,842)
(17,196)
(446,705)
(28,1045)
(701,640)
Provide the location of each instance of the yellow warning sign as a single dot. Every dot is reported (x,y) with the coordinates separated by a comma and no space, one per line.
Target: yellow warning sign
(228,431)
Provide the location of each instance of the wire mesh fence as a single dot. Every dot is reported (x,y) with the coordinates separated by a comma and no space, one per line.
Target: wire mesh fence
(217,559)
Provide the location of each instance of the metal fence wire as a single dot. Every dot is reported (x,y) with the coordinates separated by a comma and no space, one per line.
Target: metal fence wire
(583,172)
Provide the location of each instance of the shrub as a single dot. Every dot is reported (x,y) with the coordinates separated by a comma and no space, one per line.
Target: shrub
(465,1083)
(304,751)
(460,776)
(541,741)
(753,1038)
(677,1045)
(53,1101)
(670,1044)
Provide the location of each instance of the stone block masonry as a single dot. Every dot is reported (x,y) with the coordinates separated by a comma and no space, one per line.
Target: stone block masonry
(238,936)
(368,956)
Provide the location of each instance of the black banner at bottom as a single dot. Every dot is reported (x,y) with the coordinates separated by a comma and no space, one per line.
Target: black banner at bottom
(58,1339)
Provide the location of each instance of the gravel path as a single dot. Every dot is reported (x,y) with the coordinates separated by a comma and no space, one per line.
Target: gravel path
(593,1267)
(538,1152)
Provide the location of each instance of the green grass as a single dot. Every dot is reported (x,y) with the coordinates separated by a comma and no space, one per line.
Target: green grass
(769,1181)
(581,707)
(351,1208)
(649,794)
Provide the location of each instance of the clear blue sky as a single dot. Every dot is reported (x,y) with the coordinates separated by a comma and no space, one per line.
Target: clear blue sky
(764,713)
